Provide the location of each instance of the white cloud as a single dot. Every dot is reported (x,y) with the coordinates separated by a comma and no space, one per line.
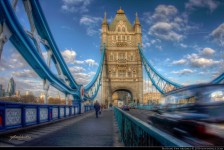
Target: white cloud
(164,13)
(218,34)
(83,78)
(210,4)
(15,61)
(183,72)
(207,51)
(79,62)
(159,47)
(196,61)
(91,62)
(164,31)
(183,45)
(76,69)
(179,62)
(74,6)
(26,73)
(91,23)
(69,55)
(167,23)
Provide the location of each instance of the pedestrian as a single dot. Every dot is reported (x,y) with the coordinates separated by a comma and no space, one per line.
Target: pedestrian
(97,108)
(110,106)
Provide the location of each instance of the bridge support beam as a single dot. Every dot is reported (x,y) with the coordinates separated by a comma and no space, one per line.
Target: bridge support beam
(4,36)
(45,88)
(66,99)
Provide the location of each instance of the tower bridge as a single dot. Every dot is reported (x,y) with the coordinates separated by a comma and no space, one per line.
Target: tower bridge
(122,68)
(119,74)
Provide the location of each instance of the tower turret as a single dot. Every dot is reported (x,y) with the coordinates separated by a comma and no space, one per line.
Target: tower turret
(138,31)
(104,29)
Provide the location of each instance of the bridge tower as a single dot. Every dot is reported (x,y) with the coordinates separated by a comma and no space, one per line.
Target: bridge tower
(122,68)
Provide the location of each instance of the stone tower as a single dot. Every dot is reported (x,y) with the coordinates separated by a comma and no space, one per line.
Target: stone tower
(122,68)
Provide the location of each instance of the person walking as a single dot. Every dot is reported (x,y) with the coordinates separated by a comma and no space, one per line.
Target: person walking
(111,105)
(97,108)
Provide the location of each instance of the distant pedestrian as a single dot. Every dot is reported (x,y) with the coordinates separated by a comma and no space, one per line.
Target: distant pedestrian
(97,108)
(111,105)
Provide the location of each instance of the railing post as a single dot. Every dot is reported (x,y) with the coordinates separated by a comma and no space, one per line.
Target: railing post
(2,117)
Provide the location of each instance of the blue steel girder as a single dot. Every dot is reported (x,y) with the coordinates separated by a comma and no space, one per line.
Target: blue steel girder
(92,88)
(162,84)
(45,33)
(24,46)
(219,79)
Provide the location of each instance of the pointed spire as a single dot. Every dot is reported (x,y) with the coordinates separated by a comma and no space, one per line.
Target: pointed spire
(120,11)
(105,18)
(136,19)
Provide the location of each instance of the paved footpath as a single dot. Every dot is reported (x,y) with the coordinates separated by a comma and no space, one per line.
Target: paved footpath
(82,131)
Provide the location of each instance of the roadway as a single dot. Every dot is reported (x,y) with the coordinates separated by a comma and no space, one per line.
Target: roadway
(143,115)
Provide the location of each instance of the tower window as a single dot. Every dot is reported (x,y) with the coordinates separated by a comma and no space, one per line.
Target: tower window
(111,57)
(129,74)
(121,56)
(119,29)
(123,29)
(121,73)
(132,57)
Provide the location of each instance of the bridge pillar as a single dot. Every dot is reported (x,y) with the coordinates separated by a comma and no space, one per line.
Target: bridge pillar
(4,36)
(77,102)
(45,88)
(66,99)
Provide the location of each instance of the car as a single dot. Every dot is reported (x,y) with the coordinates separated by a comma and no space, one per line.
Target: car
(195,112)
(125,107)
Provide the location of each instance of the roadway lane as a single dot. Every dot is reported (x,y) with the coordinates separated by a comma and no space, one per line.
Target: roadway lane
(143,115)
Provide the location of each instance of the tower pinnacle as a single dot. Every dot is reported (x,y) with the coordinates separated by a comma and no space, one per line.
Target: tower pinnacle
(136,19)
(105,18)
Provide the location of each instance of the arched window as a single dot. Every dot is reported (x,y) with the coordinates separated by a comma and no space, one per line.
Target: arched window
(111,57)
(119,29)
(123,29)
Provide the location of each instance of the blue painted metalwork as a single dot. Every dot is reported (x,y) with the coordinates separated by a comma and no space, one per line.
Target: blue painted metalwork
(44,31)
(219,79)
(11,106)
(135,132)
(162,84)
(96,79)
(28,51)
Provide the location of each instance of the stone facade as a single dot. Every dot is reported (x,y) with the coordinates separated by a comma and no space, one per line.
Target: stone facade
(122,68)
(152,97)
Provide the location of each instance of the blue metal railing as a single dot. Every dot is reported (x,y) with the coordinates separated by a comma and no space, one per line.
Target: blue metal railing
(18,115)
(88,108)
(135,132)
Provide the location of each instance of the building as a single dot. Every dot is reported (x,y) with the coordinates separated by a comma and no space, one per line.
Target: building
(1,91)
(122,68)
(152,97)
(28,93)
(18,93)
(11,87)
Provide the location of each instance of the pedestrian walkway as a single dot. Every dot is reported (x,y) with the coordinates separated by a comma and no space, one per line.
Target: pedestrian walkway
(86,132)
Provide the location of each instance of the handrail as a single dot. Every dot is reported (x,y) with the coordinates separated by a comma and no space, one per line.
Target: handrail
(135,132)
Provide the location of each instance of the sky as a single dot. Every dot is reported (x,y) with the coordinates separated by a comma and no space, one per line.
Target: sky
(183,40)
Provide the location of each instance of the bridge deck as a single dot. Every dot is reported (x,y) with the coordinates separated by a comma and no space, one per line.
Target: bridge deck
(83,131)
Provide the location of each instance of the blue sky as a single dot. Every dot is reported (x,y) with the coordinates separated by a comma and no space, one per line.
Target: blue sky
(184,40)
